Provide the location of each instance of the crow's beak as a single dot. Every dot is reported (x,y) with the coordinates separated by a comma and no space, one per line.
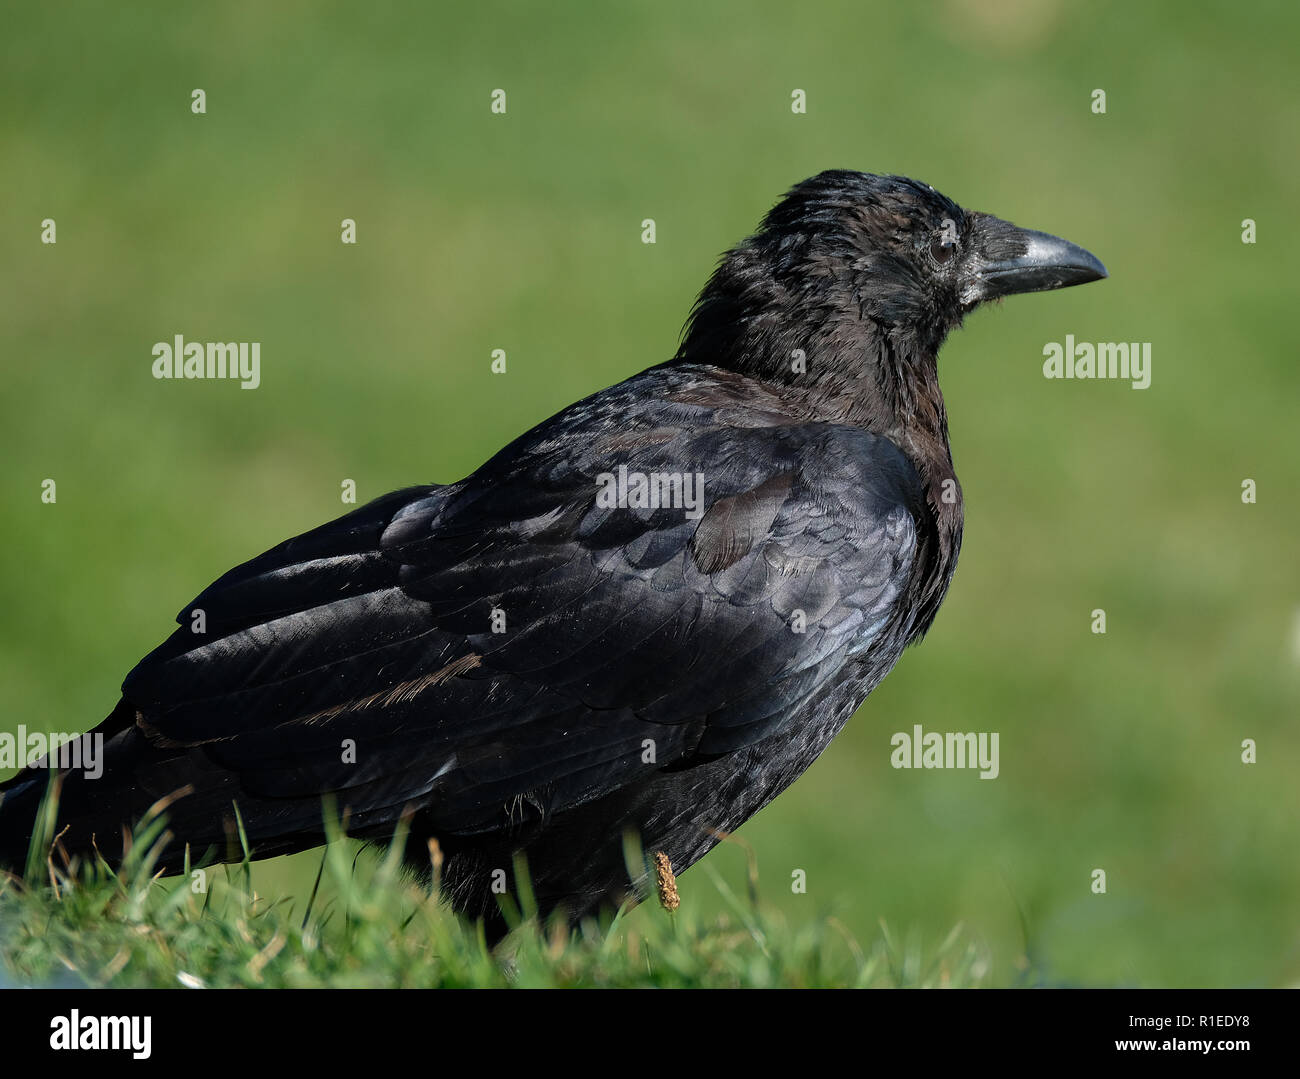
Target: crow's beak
(1008,259)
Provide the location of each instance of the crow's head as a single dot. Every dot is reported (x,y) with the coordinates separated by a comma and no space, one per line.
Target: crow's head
(854,270)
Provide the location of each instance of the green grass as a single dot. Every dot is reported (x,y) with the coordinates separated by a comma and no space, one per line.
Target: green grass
(366,924)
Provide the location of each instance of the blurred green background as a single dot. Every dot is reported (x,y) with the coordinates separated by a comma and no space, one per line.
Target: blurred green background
(522,232)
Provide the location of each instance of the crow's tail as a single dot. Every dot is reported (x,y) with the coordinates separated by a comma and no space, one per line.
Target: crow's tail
(20,802)
(89,786)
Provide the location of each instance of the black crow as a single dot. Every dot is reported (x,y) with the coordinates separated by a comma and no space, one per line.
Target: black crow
(647,615)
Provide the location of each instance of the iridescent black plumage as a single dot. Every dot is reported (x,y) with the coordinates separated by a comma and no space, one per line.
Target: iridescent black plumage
(659,671)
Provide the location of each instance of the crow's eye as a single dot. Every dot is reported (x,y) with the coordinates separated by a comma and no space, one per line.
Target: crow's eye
(942,247)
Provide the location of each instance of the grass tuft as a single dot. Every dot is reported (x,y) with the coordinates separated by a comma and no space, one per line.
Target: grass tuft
(367,923)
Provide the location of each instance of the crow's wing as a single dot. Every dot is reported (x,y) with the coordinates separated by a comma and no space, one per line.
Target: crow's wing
(511,646)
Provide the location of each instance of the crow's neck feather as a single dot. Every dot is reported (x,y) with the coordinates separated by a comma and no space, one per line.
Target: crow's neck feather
(837,351)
